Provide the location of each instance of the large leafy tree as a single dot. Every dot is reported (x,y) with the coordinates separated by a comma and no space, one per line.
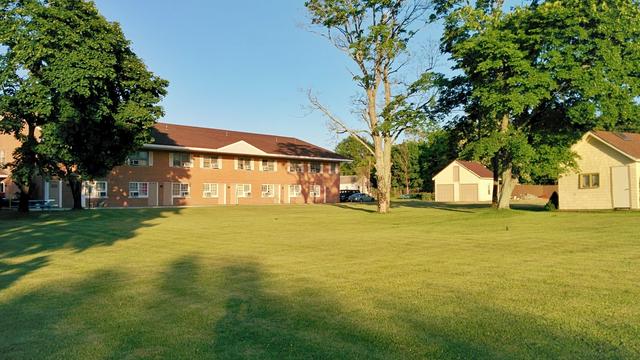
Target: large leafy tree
(405,169)
(534,79)
(97,99)
(375,35)
(361,162)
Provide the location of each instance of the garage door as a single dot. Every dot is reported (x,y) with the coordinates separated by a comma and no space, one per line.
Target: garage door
(469,192)
(444,192)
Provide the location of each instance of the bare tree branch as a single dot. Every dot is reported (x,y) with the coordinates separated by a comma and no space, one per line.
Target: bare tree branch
(337,122)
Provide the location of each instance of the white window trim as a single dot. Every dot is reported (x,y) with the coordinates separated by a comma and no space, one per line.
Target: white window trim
(275,165)
(218,162)
(94,191)
(188,164)
(314,194)
(138,196)
(204,192)
(273,191)
(237,161)
(296,171)
(149,160)
(244,193)
(181,196)
(319,171)
(299,193)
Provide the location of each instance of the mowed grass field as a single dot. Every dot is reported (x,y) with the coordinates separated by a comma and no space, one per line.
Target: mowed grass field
(277,282)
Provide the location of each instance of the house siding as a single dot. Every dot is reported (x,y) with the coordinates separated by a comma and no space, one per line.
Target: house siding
(446,176)
(595,157)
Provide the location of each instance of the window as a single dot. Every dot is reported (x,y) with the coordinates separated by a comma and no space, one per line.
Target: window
(210,162)
(315,191)
(315,167)
(333,168)
(181,160)
(96,189)
(244,164)
(1,187)
(210,190)
(139,158)
(295,190)
(2,159)
(589,181)
(180,190)
(268,165)
(267,190)
(296,166)
(138,190)
(243,190)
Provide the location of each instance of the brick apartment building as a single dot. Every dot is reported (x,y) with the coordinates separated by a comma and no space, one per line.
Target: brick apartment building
(194,166)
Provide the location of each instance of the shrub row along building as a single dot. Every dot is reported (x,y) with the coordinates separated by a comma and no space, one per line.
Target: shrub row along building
(193,166)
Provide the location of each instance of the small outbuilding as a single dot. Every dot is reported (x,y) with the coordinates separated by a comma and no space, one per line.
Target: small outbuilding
(608,175)
(464,181)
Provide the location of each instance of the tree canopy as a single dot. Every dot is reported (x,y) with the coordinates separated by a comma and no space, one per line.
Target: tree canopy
(375,35)
(72,74)
(534,79)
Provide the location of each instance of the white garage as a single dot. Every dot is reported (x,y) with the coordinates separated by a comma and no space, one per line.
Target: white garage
(464,181)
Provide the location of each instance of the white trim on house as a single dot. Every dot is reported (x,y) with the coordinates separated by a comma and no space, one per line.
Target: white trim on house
(182,193)
(315,194)
(245,194)
(210,194)
(297,193)
(217,151)
(138,191)
(241,147)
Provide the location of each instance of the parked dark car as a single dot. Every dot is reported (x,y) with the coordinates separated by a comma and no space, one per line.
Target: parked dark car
(360,197)
(344,194)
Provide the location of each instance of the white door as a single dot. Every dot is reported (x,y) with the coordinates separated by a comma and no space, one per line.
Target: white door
(620,187)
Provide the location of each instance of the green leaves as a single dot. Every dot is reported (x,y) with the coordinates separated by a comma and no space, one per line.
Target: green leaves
(556,69)
(69,71)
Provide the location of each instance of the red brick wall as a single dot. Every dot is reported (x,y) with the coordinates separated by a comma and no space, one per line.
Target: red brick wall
(227,177)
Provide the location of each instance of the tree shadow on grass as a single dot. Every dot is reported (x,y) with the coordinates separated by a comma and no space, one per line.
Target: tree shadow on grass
(25,241)
(216,308)
(463,207)
(354,207)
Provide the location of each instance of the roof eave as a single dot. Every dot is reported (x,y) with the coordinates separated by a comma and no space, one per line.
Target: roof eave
(593,134)
(216,151)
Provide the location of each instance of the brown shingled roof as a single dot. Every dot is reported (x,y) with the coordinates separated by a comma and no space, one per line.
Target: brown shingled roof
(206,138)
(628,143)
(477,168)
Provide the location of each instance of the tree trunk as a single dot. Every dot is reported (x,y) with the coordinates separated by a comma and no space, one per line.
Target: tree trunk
(23,199)
(76,192)
(496,181)
(508,184)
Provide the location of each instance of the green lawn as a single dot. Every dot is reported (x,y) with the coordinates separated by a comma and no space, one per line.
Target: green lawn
(426,281)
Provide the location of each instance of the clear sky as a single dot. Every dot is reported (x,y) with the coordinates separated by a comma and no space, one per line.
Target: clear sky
(238,65)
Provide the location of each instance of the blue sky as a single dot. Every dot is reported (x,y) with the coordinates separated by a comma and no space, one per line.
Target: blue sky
(239,65)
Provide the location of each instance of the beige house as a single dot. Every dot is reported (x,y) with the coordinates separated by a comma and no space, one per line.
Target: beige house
(464,181)
(609,173)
